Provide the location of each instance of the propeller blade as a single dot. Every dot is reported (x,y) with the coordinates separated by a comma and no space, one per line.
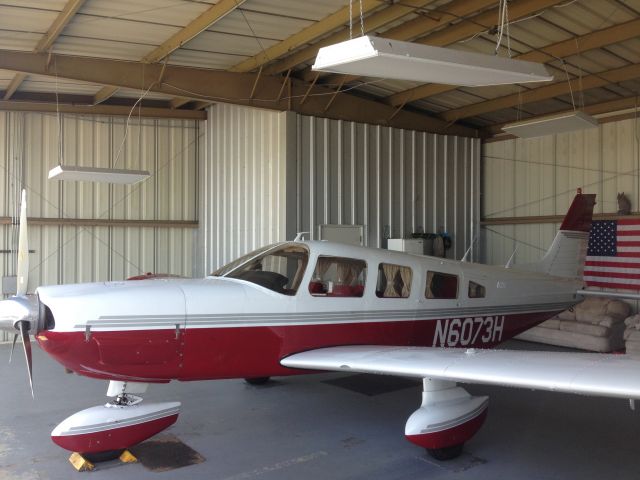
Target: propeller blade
(23,249)
(13,345)
(26,344)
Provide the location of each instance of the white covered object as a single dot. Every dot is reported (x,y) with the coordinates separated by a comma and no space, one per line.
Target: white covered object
(597,324)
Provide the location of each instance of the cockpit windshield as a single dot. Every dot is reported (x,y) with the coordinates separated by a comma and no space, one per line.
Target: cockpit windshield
(278,268)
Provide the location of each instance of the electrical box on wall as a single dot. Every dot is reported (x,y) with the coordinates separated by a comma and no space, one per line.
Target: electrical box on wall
(9,285)
(350,234)
(416,246)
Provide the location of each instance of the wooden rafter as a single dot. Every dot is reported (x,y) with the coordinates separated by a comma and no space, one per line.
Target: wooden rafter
(600,79)
(104,93)
(312,32)
(61,21)
(372,22)
(177,102)
(486,20)
(589,41)
(195,27)
(230,87)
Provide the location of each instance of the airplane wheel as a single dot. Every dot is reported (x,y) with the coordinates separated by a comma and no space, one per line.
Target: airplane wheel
(447,453)
(102,456)
(257,380)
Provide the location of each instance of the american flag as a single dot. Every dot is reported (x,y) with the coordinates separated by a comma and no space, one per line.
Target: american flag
(613,255)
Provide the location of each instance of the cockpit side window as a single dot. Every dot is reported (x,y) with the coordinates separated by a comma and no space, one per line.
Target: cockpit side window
(280,270)
(338,277)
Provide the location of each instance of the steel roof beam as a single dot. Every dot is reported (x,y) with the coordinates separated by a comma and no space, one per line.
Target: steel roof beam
(112,110)
(230,87)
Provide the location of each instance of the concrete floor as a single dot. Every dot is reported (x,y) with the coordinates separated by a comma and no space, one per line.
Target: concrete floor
(304,427)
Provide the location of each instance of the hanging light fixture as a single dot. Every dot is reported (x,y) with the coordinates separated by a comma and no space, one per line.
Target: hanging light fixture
(92,174)
(552,124)
(371,56)
(385,58)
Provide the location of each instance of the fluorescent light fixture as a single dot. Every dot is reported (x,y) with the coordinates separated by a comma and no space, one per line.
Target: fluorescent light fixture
(381,57)
(91,174)
(550,125)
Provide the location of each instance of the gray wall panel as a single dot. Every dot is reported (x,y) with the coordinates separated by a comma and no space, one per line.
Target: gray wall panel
(244,194)
(268,175)
(392,181)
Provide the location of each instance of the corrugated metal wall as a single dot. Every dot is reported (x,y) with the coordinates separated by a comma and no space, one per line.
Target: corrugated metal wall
(268,175)
(540,176)
(395,182)
(243,182)
(29,147)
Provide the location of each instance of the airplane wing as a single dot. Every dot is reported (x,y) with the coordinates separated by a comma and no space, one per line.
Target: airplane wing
(581,373)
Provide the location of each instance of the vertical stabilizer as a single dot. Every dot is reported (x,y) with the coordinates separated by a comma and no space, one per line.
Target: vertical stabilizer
(566,256)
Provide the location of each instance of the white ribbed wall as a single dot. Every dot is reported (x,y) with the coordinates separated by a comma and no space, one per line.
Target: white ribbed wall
(67,254)
(268,175)
(243,182)
(540,176)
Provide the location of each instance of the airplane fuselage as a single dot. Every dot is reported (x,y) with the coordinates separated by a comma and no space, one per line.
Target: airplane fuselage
(222,327)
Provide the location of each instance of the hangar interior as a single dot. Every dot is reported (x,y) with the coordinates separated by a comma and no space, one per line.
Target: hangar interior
(246,145)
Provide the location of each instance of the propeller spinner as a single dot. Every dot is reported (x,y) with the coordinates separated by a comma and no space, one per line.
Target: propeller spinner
(20,313)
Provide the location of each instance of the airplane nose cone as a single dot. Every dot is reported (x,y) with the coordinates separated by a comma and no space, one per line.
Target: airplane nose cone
(18,309)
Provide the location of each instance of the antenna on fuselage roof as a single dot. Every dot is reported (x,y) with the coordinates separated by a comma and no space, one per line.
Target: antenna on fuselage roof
(509,263)
(466,254)
(300,236)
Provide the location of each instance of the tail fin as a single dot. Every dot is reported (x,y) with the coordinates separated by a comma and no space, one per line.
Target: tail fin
(567,253)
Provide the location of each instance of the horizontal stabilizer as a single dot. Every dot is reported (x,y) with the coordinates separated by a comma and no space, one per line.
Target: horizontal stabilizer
(581,373)
(600,293)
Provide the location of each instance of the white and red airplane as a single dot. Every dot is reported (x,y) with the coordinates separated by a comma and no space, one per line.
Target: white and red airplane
(297,306)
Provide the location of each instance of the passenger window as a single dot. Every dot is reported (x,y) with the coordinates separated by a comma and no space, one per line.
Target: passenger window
(338,277)
(476,290)
(441,285)
(394,281)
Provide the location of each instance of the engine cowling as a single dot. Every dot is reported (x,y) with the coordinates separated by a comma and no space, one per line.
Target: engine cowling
(448,416)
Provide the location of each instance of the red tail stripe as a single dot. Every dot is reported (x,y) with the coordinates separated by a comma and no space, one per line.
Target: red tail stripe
(628,233)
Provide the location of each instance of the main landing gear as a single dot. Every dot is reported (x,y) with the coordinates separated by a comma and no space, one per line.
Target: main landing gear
(257,380)
(447,418)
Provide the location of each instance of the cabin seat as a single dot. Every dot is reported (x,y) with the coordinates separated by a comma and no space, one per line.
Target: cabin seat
(597,324)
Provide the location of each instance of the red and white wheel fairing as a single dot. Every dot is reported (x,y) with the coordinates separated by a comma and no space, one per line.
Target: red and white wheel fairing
(113,427)
(448,416)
